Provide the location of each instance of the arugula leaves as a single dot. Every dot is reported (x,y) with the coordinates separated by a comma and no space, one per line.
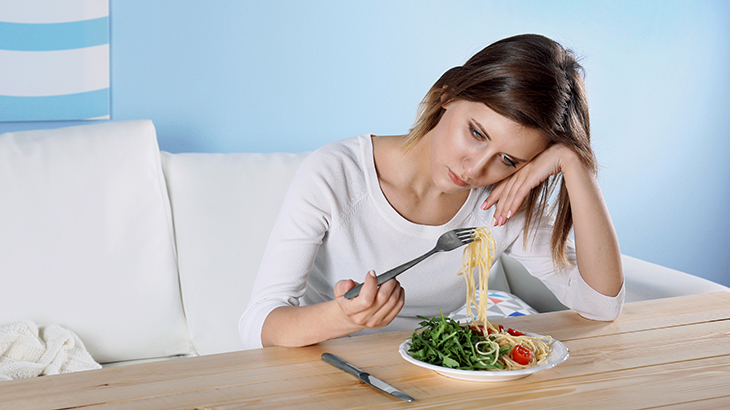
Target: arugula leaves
(445,342)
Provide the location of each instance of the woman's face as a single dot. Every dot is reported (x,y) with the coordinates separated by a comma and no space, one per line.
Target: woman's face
(473,146)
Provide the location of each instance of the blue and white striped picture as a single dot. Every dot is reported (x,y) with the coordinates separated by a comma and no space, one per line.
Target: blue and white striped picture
(54,60)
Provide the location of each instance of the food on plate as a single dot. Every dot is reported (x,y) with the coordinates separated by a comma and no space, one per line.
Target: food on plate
(443,341)
(478,345)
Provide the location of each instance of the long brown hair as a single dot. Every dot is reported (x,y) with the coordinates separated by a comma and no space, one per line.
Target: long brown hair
(537,83)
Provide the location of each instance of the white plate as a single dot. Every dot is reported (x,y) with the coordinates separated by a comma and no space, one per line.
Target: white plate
(558,355)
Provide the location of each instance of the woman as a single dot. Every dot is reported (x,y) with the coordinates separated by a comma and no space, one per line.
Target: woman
(493,137)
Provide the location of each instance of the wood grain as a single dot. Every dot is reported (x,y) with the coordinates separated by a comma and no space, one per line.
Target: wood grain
(667,352)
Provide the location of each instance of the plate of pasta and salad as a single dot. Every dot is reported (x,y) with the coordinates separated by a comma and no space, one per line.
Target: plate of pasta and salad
(478,350)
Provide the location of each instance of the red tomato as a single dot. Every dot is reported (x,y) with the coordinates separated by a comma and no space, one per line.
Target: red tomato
(501,328)
(515,332)
(521,355)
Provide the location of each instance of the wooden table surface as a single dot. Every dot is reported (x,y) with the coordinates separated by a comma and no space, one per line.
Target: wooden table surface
(664,353)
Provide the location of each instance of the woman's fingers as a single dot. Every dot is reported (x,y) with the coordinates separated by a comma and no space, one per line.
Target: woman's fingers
(512,191)
(493,196)
(503,197)
(374,306)
(341,287)
(387,301)
(368,291)
(389,310)
(516,190)
(385,306)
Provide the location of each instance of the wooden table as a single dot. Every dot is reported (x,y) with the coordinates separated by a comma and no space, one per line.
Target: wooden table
(671,353)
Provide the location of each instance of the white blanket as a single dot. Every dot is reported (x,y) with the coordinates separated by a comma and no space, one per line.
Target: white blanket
(29,351)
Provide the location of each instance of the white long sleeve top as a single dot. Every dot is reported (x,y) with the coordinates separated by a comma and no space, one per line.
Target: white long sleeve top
(336,224)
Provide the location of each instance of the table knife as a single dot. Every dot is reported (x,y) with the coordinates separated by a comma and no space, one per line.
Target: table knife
(365,376)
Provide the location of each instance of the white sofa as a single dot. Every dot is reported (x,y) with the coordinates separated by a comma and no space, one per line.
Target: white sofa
(149,255)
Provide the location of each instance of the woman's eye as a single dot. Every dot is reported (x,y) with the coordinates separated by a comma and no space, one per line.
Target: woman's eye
(477,134)
(507,161)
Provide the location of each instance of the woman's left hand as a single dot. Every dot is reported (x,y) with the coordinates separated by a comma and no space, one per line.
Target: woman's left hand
(597,252)
(509,194)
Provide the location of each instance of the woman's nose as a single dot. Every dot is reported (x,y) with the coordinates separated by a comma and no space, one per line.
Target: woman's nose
(476,164)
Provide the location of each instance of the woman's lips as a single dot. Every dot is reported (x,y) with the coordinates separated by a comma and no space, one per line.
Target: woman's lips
(456,180)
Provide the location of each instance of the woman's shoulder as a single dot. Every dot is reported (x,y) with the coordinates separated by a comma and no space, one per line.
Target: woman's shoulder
(336,157)
(331,179)
(341,149)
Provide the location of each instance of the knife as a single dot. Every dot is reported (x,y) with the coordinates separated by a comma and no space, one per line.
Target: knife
(365,376)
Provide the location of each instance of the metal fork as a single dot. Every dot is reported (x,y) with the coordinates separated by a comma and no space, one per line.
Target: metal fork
(446,242)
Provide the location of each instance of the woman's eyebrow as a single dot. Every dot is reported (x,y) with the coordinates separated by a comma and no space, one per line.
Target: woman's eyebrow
(486,135)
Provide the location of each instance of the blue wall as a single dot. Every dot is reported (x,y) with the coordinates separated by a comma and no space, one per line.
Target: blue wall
(230,75)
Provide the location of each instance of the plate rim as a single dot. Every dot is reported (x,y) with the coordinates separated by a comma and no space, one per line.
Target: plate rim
(486,375)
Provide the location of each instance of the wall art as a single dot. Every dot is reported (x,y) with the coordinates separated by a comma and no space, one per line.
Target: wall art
(54,60)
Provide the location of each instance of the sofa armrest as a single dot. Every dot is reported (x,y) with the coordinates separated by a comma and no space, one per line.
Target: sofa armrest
(527,287)
(646,280)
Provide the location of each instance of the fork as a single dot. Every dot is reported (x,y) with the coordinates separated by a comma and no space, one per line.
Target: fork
(446,242)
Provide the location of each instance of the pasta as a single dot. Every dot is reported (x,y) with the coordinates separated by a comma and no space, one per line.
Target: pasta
(478,255)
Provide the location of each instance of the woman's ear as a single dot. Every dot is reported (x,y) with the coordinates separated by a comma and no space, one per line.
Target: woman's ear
(445,103)
(445,100)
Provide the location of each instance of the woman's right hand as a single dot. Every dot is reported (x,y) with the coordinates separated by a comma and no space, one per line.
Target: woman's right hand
(376,306)
(306,325)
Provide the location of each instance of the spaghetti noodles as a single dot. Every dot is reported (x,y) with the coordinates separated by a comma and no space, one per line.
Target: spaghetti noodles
(478,255)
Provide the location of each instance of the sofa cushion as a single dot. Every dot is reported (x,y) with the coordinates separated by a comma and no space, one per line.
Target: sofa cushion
(500,304)
(224,206)
(646,280)
(87,241)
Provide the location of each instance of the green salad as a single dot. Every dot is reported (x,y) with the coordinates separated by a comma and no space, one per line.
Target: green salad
(444,342)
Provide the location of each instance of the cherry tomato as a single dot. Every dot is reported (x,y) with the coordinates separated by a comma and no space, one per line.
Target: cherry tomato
(515,332)
(501,328)
(479,329)
(521,355)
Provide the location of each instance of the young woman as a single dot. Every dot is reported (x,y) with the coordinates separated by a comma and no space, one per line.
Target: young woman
(494,136)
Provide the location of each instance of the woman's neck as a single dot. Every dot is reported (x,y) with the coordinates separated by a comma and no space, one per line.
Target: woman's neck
(406,181)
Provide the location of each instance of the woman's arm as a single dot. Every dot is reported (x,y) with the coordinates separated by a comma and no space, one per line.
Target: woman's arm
(301,326)
(316,201)
(597,249)
(596,244)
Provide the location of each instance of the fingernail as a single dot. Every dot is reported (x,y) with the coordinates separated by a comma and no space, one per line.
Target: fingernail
(501,221)
(494,222)
(509,214)
(484,205)
(372,273)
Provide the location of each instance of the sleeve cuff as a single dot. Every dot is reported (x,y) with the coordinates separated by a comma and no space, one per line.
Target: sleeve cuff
(251,323)
(591,304)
